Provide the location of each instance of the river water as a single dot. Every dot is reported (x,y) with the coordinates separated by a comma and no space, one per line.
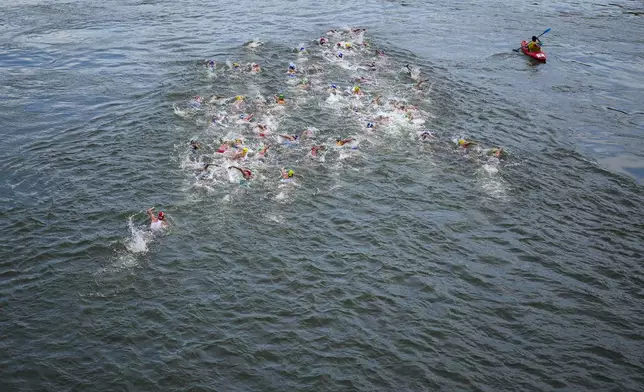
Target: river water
(389,264)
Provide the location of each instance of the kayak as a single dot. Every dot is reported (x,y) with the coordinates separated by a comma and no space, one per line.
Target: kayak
(539,56)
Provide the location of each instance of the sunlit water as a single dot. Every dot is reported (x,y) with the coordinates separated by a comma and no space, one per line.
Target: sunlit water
(397,261)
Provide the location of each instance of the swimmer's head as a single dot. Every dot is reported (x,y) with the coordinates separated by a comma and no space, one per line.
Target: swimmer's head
(161,215)
(245,150)
(291,173)
(333,86)
(339,44)
(291,66)
(302,49)
(281,96)
(211,63)
(356,89)
(347,45)
(236,65)
(461,142)
(369,125)
(340,54)
(239,98)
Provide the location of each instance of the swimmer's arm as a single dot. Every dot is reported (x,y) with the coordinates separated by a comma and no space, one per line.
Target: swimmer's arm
(239,169)
(151,215)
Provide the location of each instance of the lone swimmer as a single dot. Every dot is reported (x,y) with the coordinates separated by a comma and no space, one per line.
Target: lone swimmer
(157,222)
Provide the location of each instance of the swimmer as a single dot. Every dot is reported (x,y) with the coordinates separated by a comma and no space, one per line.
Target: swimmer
(323,41)
(302,50)
(244,171)
(240,154)
(157,222)
(382,119)
(291,69)
(462,143)
(341,142)
(239,101)
(427,135)
(356,90)
(263,149)
(290,138)
(236,66)
(305,84)
(317,149)
(255,68)
(340,55)
(224,147)
(287,174)
(204,168)
(211,65)
(380,53)
(262,130)
(417,86)
(370,125)
(414,73)
(497,152)
(334,89)
(196,102)
(246,117)
(279,99)
(194,145)
(376,101)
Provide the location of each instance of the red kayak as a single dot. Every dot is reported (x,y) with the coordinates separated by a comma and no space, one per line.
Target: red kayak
(539,56)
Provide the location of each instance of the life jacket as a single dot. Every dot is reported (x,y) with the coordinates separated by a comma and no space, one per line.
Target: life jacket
(534,47)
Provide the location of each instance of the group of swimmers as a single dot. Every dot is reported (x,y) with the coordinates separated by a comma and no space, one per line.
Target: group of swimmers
(254,120)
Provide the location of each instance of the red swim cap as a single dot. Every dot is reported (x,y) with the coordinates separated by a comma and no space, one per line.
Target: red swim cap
(161,215)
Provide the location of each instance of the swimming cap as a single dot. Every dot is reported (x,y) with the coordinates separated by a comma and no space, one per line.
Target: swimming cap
(302,48)
(356,89)
(211,62)
(291,66)
(245,150)
(340,54)
(461,142)
(161,215)
(369,125)
(291,173)
(239,98)
(281,96)
(333,86)
(347,45)
(241,116)
(235,65)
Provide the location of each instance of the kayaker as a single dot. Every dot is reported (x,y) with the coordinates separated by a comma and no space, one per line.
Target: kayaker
(534,46)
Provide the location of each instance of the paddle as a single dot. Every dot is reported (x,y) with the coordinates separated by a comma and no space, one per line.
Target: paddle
(548,29)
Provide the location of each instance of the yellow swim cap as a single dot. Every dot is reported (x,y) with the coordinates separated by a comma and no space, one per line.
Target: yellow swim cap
(245,150)
(239,97)
(291,173)
(356,88)
(461,142)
